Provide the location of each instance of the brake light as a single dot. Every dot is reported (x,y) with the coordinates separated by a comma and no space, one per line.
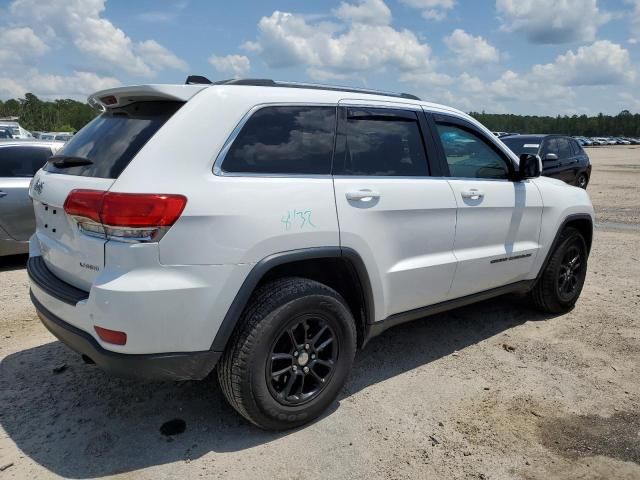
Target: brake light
(124,216)
(109,100)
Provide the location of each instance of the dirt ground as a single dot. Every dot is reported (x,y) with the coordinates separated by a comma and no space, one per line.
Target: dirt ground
(490,391)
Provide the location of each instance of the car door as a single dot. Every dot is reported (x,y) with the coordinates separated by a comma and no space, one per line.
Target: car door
(18,164)
(551,167)
(391,211)
(498,220)
(567,161)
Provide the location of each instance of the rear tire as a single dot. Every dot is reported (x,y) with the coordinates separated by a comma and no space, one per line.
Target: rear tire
(561,282)
(291,354)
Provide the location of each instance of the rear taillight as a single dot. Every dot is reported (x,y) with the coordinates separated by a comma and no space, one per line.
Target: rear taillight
(124,216)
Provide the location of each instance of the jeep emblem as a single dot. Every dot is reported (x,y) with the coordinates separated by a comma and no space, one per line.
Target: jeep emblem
(38,186)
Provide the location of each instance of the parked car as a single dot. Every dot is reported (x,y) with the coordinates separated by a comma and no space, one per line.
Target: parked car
(584,141)
(63,137)
(15,129)
(562,157)
(622,141)
(19,161)
(600,141)
(278,239)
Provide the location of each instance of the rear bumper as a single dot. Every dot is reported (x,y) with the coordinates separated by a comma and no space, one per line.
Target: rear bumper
(156,366)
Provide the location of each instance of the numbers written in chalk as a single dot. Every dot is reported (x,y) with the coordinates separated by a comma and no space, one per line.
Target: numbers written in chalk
(297,219)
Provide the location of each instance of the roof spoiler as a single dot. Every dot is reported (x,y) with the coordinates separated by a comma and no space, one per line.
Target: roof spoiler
(197,80)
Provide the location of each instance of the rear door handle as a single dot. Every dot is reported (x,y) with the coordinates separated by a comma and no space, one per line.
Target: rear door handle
(3,194)
(364,195)
(472,194)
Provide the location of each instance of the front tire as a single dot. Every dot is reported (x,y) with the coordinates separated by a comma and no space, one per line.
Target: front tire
(561,282)
(291,354)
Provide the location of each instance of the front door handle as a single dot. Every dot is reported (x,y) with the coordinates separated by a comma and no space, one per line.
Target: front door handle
(472,194)
(3,194)
(364,195)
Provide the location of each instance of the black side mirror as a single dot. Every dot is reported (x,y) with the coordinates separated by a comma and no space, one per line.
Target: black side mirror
(530,166)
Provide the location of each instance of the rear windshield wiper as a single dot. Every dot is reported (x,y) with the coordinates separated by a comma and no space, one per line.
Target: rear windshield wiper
(64,161)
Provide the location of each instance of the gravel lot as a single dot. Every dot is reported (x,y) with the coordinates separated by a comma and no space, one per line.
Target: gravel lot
(491,391)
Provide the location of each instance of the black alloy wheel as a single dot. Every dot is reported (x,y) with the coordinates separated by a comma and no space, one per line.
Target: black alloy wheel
(570,271)
(303,358)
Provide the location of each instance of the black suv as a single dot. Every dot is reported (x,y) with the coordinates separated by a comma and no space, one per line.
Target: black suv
(562,157)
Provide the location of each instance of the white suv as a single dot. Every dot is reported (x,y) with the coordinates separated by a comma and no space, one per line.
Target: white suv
(273,228)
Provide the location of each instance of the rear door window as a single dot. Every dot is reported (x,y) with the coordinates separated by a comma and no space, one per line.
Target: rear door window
(22,161)
(111,140)
(564,149)
(284,140)
(382,142)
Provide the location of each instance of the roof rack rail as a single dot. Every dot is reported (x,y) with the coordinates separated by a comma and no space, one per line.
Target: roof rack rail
(266,82)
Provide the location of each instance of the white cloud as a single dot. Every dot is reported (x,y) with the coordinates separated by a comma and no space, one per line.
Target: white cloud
(159,57)
(287,40)
(552,21)
(432,9)
(602,63)
(81,22)
(236,65)
(545,88)
(370,12)
(471,50)
(78,85)
(19,43)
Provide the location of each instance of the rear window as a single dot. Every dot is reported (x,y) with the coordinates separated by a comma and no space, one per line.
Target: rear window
(523,145)
(284,140)
(111,140)
(22,161)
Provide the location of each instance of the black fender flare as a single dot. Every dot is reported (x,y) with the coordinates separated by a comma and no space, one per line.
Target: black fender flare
(260,269)
(568,219)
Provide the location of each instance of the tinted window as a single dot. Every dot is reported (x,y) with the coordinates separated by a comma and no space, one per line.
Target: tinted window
(564,149)
(520,145)
(284,140)
(551,146)
(469,155)
(111,140)
(22,161)
(575,147)
(382,145)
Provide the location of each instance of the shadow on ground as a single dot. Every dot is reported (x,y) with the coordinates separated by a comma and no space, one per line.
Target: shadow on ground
(81,423)
(13,262)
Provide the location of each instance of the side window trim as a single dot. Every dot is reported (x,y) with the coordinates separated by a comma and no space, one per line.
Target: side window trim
(382,113)
(444,119)
(220,157)
(438,161)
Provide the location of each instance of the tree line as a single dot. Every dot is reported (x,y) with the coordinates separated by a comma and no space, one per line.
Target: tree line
(48,116)
(624,124)
(70,115)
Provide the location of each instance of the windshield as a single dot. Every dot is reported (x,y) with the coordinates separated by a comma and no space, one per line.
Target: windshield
(111,140)
(523,145)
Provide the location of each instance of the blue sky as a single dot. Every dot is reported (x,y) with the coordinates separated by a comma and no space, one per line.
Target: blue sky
(519,56)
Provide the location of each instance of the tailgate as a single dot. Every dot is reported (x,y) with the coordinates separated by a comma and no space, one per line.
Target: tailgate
(71,255)
(92,160)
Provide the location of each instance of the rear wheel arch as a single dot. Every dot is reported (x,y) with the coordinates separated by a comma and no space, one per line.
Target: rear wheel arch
(341,269)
